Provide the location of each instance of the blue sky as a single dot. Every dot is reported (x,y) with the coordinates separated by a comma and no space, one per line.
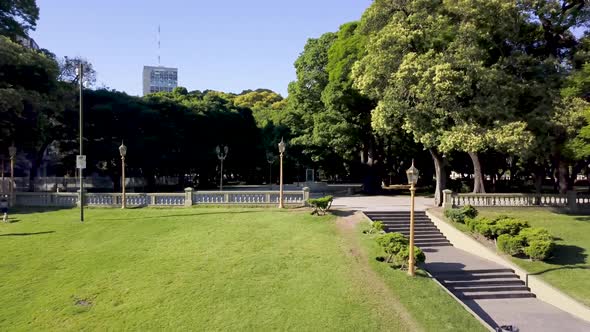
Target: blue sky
(227,45)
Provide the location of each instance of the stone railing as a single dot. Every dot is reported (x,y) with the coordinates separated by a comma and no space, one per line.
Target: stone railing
(188,198)
(572,200)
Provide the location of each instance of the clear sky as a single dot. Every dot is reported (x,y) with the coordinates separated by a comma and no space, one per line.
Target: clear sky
(227,45)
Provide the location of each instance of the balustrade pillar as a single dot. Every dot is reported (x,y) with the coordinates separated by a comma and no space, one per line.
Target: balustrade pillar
(572,205)
(447,199)
(305,195)
(188,196)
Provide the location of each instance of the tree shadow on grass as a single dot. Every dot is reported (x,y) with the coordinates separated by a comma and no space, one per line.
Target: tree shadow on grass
(568,255)
(27,234)
(342,213)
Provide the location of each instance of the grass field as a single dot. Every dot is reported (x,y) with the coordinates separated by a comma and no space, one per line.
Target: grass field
(205,269)
(569,269)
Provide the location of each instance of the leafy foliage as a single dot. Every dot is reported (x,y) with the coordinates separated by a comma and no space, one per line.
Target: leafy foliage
(461,214)
(321,205)
(511,245)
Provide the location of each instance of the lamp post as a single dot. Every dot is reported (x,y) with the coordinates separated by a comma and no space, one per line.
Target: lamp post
(80,73)
(3,174)
(412,174)
(281,150)
(270,159)
(12,153)
(221,155)
(123,152)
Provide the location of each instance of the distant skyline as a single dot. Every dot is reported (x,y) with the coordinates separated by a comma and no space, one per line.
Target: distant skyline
(225,45)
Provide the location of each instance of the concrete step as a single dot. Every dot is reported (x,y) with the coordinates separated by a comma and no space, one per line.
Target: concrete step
(481,271)
(467,276)
(494,296)
(429,232)
(407,229)
(433,244)
(407,222)
(479,283)
(382,218)
(394,213)
(519,288)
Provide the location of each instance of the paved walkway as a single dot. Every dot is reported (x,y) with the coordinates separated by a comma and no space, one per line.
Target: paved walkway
(528,314)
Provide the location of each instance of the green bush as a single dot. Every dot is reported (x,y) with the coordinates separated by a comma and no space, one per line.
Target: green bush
(460,215)
(455,215)
(511,245)
(484,227)
(392,243)
(508,226)
(320,205)
(402,257)
(472,223)
(539,250)
(536,234)
(376,227)
(469,211)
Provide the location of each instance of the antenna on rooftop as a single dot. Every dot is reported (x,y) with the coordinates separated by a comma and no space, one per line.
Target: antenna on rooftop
(158,45)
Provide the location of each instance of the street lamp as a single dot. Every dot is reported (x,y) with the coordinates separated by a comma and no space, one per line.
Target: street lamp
(281,150)
(412,173)
(81,158)
(221,155)
(12,153)
(270,159)
(123,152)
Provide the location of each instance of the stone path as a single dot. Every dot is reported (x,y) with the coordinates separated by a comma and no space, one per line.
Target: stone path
(490,290)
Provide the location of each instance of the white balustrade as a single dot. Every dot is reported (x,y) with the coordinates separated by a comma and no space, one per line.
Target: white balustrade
(163,199)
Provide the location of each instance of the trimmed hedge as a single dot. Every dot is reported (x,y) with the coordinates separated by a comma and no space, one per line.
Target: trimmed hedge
(320,205)
(512,245)
(460,215)
(397,246)
(539,250)
(513,236)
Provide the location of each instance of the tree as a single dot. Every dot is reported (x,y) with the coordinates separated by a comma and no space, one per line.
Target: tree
(68,71)
(17,17)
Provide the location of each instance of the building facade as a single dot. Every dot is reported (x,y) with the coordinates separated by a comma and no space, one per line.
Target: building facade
(156,79)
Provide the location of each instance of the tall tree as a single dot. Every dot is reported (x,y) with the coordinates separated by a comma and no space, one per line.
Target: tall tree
(17,17)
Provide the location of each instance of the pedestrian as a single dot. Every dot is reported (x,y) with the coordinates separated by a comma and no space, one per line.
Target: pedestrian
(4,208)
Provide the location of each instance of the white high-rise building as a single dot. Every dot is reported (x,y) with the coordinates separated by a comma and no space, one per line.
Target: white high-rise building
(156,79)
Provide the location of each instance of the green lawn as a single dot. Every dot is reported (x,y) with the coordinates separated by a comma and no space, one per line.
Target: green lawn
(203,269)
(569,269)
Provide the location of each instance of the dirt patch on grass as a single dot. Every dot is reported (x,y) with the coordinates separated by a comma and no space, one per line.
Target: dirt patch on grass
(376,291)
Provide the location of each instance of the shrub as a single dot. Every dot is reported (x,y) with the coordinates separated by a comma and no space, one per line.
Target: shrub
(535,234)
(392,243)
(511,245)
(455,215)
(539,250)
(459,215)
(469,211)
(321,205)
(508,226)
(376,227)
(472,224)
(402,257)
(484,227)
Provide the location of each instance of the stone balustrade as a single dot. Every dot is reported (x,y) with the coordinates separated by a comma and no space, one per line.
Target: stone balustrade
(188,198)
(572,200)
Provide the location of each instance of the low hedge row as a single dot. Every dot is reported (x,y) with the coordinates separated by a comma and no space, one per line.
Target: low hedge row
(320,205)
(397,246)
(513,236)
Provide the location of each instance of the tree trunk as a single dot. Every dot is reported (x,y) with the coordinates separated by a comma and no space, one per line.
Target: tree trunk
(563,174)
(539,177)
(478,185)
(441,176)
(35,165)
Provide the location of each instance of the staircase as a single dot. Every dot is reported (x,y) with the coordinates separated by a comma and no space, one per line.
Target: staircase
(426,234)
(465,284)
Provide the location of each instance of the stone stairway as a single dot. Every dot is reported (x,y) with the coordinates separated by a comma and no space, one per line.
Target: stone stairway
(465,283)
(426,234)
